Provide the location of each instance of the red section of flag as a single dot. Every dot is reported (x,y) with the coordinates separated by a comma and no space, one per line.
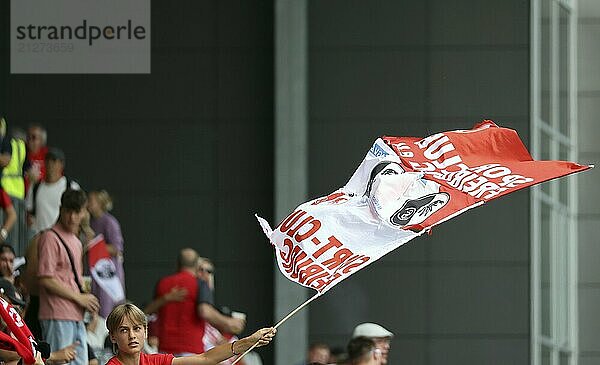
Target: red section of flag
(103,270)
(24,342)
(475,166)
(97,250)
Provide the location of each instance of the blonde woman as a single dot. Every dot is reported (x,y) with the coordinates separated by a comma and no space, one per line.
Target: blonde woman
(127,327)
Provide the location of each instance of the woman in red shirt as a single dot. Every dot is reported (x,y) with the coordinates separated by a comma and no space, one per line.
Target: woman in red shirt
(127,327)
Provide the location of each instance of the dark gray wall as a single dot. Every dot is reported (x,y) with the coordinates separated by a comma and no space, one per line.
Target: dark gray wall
(461,295)
(186,151)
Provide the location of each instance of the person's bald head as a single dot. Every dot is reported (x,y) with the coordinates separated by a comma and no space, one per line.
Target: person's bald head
(188,259)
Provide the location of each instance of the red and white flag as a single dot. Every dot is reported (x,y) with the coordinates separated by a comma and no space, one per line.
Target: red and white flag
(403,187)
(22,340)
(103,270)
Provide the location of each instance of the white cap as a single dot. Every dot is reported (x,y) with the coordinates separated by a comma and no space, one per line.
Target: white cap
(371,330)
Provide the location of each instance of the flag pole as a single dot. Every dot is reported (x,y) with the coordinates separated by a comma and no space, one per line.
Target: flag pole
(280,323)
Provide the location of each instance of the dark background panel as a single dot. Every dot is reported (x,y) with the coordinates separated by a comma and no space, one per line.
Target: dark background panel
(371,83)
(479,82)
(496,298)
(363,24)
(496,351)
(418,68)
(479,22)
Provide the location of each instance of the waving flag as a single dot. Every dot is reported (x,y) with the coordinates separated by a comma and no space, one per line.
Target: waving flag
(22,342)
(403,187)
(103,270)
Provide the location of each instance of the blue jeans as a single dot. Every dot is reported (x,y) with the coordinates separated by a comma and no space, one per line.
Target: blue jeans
(60,334)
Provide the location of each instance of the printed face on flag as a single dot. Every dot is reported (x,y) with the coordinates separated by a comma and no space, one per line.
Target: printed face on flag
(403,187)
(398,199)
(103,269)
(315,252)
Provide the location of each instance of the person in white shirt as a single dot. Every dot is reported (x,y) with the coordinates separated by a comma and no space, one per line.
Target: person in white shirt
(43,199)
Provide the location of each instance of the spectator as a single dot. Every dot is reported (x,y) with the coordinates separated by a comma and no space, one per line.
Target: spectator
(379,335)
(62,300)
(127,327)
(7,259)
(5,158)
(102,222)
(213,336)
(338,355)
(36,153)
(226,324)
(9,214)
(9,293)
(43,198)
(181,324)
(206,272)
(30,282)
(362,351)
(96,331)
(97,334)
(318,353)
(5,146)
(13,184)
(175,294)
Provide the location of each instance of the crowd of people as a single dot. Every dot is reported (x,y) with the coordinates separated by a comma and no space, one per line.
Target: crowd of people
(369,345)
(48,223)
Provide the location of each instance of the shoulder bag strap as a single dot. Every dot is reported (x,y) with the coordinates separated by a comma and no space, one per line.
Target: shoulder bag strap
(70,260)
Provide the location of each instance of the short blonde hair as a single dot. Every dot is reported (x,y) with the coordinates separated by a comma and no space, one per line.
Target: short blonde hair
(104,199)
(205,260)
(122,311)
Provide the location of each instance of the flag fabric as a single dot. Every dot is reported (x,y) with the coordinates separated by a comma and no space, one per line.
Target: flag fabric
(22,342)
(213,338)
(403,187)
(103,269)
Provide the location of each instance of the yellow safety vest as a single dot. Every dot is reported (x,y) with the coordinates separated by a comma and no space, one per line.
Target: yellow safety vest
(12,175)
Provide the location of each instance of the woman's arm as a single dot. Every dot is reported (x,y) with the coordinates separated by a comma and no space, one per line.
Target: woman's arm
(227,350)
(9,220)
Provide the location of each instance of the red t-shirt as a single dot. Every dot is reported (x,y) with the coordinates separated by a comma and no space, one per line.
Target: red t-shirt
(5,201)
(37,161)
(180,329)
(147,359)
